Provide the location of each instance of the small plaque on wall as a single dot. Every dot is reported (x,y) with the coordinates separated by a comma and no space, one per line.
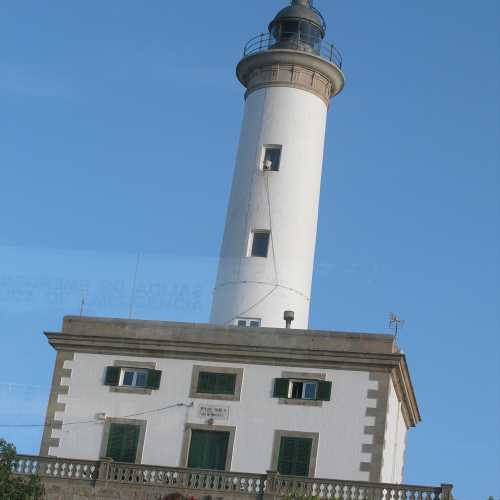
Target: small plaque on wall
(215,412)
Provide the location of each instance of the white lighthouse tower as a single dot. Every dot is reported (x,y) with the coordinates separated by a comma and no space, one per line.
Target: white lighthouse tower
(267,254)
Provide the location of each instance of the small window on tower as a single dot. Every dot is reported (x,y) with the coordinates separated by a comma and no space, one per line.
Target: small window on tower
(271,158)
(248,322)
(260,243)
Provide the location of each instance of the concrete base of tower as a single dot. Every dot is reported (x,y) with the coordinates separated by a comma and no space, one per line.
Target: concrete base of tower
(262,302)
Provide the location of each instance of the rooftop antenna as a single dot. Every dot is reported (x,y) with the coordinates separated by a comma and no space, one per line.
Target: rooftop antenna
(82,304)
(396,323)
(134,283)
(83,301)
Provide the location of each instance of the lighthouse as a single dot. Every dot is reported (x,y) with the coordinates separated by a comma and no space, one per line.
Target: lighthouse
(241,412)
(266,260)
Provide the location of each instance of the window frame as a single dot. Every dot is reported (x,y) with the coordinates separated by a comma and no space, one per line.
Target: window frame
(268,147)
(302,377)
(219,382)
(186,445)
(304,383)
(142,424)
(132,365)
(135,372)
(251,240)
(248,321)
(197,369)
(279,434)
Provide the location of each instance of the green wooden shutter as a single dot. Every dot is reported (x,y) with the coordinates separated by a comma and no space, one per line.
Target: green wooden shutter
(154,379)
(197,449)
(123,441)
(281,387)
(130,443)
(208,450)
(218,444)
(285,457)
(112,376)
(324,391)
(302,456)
(294,456)
(225,383)
(206,382)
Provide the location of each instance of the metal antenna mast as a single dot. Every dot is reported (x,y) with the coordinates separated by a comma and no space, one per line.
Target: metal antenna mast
(83,302)
(132,296)
(82,305)
(396,323)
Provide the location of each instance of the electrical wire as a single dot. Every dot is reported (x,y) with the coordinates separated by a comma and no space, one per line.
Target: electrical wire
(97,421)
(276,284)
(254,282)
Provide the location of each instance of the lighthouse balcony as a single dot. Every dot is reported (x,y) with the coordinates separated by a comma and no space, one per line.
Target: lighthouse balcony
(293,40)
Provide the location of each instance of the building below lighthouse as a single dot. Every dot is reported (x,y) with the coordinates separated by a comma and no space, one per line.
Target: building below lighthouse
(253,404)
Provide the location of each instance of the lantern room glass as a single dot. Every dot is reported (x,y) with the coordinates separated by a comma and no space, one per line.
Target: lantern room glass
(296,35)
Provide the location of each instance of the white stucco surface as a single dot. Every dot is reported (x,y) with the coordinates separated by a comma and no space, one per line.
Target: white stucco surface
(395,440)
(284,202)
(339,422)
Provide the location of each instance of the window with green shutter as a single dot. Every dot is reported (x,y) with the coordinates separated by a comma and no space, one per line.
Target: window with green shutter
(123,440)
(139,378)
(294,456)
(216,383)
(307,390)
(208,450)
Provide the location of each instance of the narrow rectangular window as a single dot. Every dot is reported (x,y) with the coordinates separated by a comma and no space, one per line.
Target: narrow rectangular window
(260,243)
(271,158)
(294,456)
(123,441)
(208,450)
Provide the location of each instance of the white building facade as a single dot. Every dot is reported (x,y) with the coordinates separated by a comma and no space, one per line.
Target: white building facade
(351,414)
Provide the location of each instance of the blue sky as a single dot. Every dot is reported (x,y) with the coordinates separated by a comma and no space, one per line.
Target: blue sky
(119,123)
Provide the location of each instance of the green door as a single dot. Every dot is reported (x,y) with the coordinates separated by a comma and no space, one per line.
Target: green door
(294,456)
(208,450)
(122,442)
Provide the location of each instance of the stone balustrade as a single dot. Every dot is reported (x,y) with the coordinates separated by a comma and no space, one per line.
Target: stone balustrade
(215,484)
(58,468)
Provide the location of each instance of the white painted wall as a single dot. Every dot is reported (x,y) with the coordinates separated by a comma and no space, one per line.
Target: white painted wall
(395,440)
(340,422)
(246,286)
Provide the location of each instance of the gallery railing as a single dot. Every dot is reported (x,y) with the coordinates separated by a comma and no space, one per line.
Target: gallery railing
(223,483)
(294,41)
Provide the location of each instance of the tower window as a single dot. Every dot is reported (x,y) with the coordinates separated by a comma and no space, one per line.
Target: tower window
(271,158)
(260,243)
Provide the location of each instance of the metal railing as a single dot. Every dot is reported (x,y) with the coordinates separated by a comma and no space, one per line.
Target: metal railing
(226,484)
(294,41)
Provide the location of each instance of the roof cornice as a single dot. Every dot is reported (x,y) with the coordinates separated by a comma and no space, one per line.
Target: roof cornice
(278,347)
